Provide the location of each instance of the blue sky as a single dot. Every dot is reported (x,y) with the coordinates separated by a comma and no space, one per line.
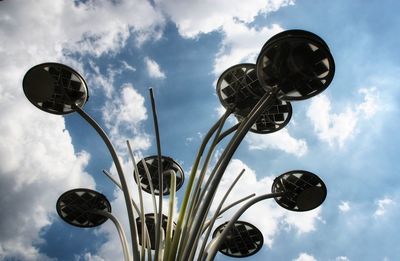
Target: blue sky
(347,135)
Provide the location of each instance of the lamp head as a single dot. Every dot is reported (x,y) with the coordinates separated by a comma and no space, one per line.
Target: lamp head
(55,88)
(297,62)
(76,207)
(303,190)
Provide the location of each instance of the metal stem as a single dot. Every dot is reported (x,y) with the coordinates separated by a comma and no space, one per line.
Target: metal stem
(216,214)
(142,217)
(182,212)
(213,247)
(160,177)
(124,184)
(265,102)
(121,233)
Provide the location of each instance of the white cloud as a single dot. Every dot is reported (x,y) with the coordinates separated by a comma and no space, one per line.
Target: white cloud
(96,27)
(337,128)
(241,43)
(38,161)
(38,164)
(280,140)
(383,205)
(274,217)
(123,116)
(196,17)
(344,206)
(305,257)
(342,258)
(153,69)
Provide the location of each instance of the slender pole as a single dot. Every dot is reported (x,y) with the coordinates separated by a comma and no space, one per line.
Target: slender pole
(160,177)
(182,212)
(121,233)
(213,247)
(265,102)
(142,217)
(197,187)
(207,223)
(211,224)
(124,184)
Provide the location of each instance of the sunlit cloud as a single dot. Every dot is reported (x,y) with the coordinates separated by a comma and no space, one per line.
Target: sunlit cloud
(383,205)
(344,206)
(338,128)
(305,257)
(280,140)
(153,69)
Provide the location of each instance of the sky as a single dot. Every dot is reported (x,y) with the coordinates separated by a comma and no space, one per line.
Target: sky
(346,135)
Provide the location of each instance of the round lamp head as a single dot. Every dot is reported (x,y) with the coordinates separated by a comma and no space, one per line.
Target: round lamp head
(150,220)
(271,120)
(169,167)
(303,190)
(55,88)
(243,240)
(238,87)
(76,207)
(297,62)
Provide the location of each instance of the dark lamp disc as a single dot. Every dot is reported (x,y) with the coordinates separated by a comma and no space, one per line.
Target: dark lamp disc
(238,87)
(310,198)
(243,240)
(303,190)
(271,120)
(169,166)
(55,88)
(297,62)
(150,220)
(76,207)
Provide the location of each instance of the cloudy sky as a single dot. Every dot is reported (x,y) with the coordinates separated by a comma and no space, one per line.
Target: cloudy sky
(346,135)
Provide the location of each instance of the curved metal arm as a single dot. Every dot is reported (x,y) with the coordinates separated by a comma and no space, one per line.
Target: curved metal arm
(119,186)
(182,212)
(124,184)
(160,177)
(207,223)
(121,233)
(265,102)
(213,247)
(216,214)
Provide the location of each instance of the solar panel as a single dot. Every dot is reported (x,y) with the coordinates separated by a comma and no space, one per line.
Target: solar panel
(76,207)
(304,190)
(150,220)
(54,88)
(297,62)
(169,166)
(243,240)
(272,119)
(238,87)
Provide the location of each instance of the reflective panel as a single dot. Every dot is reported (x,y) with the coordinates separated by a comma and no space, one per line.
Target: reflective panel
(273,119)
(75,207)
(150,220)
(238,87)
(54,88)
(304,190)
(169,166)
(243,240)
(297,62)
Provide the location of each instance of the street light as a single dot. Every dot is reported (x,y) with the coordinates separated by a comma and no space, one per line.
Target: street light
(292,65)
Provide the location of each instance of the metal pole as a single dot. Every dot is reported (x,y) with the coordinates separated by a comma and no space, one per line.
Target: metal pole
(124,184)
(122,237)
(265,102)
(213,247)
(160,177)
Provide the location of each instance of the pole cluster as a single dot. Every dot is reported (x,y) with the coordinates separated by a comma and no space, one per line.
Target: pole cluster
(292,65)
